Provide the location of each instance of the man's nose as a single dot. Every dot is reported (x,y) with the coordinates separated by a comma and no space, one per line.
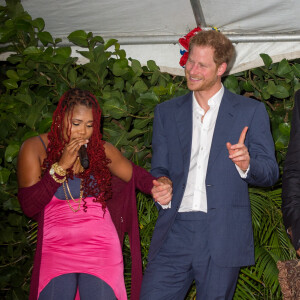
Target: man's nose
(193,69)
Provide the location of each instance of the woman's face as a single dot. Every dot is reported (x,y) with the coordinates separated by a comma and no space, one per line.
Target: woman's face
(80,123)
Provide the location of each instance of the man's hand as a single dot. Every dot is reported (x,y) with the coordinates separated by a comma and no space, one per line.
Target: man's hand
(238,153)
(290,234)
(162,190)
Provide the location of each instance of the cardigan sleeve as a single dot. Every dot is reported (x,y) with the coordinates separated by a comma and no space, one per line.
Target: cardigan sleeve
(123,211)
(33,199)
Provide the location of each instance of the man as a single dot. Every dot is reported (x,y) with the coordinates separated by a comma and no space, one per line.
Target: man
(291,180)
(211,143)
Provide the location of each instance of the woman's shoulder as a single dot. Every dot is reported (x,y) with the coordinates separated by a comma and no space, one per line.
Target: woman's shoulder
(35,144)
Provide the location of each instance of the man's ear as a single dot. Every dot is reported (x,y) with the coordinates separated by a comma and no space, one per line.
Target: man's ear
(222,69)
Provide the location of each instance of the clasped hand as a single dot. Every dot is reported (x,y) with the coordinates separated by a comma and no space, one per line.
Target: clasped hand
(162,190)
(238,153)
(70,152)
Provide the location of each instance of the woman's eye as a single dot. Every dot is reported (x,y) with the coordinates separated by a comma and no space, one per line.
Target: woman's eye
(89,126)
(75,124)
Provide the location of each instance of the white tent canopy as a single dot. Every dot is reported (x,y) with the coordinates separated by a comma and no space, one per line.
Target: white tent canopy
(150,29)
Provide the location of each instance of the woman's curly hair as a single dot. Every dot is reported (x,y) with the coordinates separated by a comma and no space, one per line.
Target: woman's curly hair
(96,180)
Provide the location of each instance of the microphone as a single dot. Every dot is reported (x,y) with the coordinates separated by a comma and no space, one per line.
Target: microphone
(84,159)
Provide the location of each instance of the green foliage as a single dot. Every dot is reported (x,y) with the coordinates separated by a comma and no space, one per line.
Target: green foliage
(34,77)
(39,71)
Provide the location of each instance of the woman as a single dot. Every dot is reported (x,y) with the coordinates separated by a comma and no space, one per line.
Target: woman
(78,249)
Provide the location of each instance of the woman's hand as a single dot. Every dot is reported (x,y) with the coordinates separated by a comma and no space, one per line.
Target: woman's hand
(162,190)
(70,152)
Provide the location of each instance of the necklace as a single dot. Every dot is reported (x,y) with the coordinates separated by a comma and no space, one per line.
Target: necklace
(65,184)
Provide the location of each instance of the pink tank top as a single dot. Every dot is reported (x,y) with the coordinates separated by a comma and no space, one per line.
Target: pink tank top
(81,242)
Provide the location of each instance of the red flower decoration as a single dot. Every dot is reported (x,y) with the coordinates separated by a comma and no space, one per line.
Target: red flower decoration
(184,41)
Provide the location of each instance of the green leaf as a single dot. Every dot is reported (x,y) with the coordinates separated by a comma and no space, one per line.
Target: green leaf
(114,108)
(247,86)
(64,51)
(296,69)
(45,125)
(119,83)
(35,112)
(58,40)
(72,75)
(38,23)
(281,141)
(231,83)
(120,67)
(79,38)
(277,91)
(155,77)
(87,54)
(266,59)
(136,67)
(12,74)
(110,43)
(135,132)
(31,50)
(121,53)
(25,98)
(285,129)
(4,175)
(281,92)
(152,65)
(141,123)
(140,87)
(23,25)
(11,203)
(11,152)
(283,68)
(10,84)
(97,39)
(59,59)
(148,99)
(45,37)
(6,35)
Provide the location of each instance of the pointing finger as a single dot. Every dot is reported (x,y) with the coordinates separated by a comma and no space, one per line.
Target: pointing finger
(243,135)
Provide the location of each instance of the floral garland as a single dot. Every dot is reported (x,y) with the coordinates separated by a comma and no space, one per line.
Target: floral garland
(184,42)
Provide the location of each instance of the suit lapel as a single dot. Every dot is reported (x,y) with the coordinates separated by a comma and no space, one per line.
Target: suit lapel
(184,119)
(224,123)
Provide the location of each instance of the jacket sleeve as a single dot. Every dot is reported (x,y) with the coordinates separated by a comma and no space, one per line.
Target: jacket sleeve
(33,199)
(291,178)
(159,162)
(264,169)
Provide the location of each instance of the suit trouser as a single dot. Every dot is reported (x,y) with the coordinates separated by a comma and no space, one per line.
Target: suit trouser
(184,257)
(64,287)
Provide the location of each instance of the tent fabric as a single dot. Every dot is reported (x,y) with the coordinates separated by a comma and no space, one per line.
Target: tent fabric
(150,29)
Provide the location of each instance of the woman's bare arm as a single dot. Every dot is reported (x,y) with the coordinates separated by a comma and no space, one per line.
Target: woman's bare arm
(29,162)
(120,166)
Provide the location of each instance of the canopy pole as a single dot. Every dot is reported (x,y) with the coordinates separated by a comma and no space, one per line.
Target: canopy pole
(198,13)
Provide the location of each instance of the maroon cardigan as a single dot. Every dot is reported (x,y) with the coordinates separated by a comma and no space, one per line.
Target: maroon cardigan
(123,211)
(122,208)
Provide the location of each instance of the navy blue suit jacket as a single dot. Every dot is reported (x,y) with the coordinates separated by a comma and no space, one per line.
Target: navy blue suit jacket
(229,213)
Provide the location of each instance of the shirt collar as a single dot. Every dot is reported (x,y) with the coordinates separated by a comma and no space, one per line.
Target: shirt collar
(215,100)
